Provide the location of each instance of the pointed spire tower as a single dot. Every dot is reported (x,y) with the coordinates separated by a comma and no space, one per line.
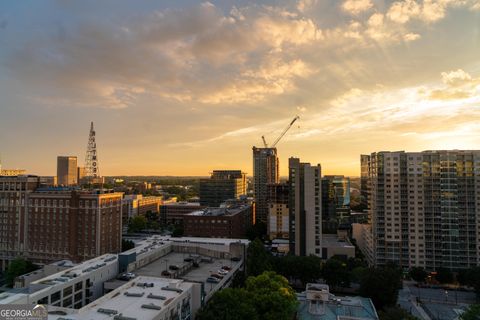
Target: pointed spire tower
(91,160)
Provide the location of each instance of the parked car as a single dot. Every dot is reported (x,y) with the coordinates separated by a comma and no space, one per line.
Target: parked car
(236,259)
(226,268)
(166,273)
(188,259)
(216,275)
(222,272)
(173,267)
(213,280)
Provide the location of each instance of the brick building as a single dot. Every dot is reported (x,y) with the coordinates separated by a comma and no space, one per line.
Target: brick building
(51,224)
(173,213)
(229,221)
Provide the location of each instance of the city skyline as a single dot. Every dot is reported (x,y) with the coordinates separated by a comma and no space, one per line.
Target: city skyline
(182,89)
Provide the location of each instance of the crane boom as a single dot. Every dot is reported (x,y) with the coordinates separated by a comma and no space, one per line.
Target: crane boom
(284,131)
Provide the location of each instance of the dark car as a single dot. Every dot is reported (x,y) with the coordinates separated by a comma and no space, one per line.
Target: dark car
(173,267)
(236,259)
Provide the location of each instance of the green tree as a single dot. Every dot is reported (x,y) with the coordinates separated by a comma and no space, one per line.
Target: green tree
(127,245)
(258,258)
(395,313)
(266,297)
(470,277)
(357,274)
(418,274)
(16,268)
(309,269)
(444,275)
(151,216)
(272,296)
(229,304)
(472,313)
(137,224)
(381,285)
(257,230)
(177,231)
(335,273)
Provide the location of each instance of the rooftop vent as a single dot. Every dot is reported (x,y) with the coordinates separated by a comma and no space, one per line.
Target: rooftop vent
(154,296)
(110,312)
(145,284)
(120,317)
(134,294)
(151,306)
(172,289)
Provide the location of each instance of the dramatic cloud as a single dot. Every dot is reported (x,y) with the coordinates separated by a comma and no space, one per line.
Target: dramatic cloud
(459,86)
(196,54)
(356,6)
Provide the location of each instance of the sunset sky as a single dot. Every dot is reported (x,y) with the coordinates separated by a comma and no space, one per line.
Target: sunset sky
(183,87)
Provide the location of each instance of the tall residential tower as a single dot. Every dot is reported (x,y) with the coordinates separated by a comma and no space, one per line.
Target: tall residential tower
(305,208)
(424,208)
(265,171)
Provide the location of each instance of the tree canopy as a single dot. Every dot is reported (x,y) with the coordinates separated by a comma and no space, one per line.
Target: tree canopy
(127,245)
(472,313)
(418,274)
(381,285)
(229,304)
(258,258)
(335,273)
(18,267)
(267,296)
(137,224)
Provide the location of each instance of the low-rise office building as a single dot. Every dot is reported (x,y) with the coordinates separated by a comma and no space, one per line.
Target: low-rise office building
(70,288)
(136,204)
(144,298)
(91,290)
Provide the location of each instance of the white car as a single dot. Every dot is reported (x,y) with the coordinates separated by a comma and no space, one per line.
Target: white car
(222,272)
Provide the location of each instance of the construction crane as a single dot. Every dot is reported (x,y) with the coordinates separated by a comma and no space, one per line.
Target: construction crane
(281,135)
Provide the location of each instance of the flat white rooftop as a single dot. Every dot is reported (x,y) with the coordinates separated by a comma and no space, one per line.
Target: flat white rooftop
(78,270)
(143,298)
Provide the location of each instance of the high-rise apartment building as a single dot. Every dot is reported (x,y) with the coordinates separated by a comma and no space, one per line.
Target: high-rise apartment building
(265,171)
(278,211)
(67,174)
(50,224)
(222,185)
(424,208)
(335,202)
(305,208)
